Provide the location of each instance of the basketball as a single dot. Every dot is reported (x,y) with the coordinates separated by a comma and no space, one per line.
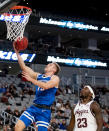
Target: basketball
(21,44)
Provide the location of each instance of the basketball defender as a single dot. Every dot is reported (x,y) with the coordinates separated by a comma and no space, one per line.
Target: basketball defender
(86,115)
(46,87)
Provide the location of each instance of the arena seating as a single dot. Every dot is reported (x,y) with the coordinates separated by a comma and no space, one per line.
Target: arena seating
(23,98)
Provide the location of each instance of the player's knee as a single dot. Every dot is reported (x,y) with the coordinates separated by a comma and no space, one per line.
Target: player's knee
(19,126)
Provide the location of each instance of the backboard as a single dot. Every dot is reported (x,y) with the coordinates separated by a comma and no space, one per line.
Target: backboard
(5,5)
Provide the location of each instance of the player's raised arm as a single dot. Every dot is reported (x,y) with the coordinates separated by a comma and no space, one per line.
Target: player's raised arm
(25,68)
(98,115)
(54,82)
(72,121)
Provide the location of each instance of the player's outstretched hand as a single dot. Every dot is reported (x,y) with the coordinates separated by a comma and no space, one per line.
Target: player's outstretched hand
(16,50)
(26,76)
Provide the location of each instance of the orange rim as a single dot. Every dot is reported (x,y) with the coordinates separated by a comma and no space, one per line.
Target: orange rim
(19,7)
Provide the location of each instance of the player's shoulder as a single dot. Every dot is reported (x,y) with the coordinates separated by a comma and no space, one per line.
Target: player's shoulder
(95,105)
(55,77)
(39,74)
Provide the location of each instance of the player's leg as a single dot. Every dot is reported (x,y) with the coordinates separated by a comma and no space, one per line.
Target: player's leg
(19,126)
(24,121)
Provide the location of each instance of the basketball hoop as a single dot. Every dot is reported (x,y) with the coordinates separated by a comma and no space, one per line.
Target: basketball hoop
(16,19)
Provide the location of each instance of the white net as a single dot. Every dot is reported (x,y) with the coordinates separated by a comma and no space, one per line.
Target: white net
(16,21)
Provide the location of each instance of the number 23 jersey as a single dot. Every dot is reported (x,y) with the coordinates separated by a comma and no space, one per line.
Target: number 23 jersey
(84,118)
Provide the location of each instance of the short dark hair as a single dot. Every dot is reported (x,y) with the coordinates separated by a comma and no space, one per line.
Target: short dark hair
(58,68)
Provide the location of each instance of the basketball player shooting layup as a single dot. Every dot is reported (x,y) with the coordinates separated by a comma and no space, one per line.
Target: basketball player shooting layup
(46,87)
(86,115)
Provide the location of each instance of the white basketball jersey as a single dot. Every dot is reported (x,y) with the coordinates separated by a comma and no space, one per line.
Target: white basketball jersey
(84,119)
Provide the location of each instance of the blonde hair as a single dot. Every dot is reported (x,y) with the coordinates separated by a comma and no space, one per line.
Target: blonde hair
(58,68)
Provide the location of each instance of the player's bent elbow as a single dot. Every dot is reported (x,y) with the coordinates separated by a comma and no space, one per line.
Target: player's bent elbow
(23,68)
(46,86)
